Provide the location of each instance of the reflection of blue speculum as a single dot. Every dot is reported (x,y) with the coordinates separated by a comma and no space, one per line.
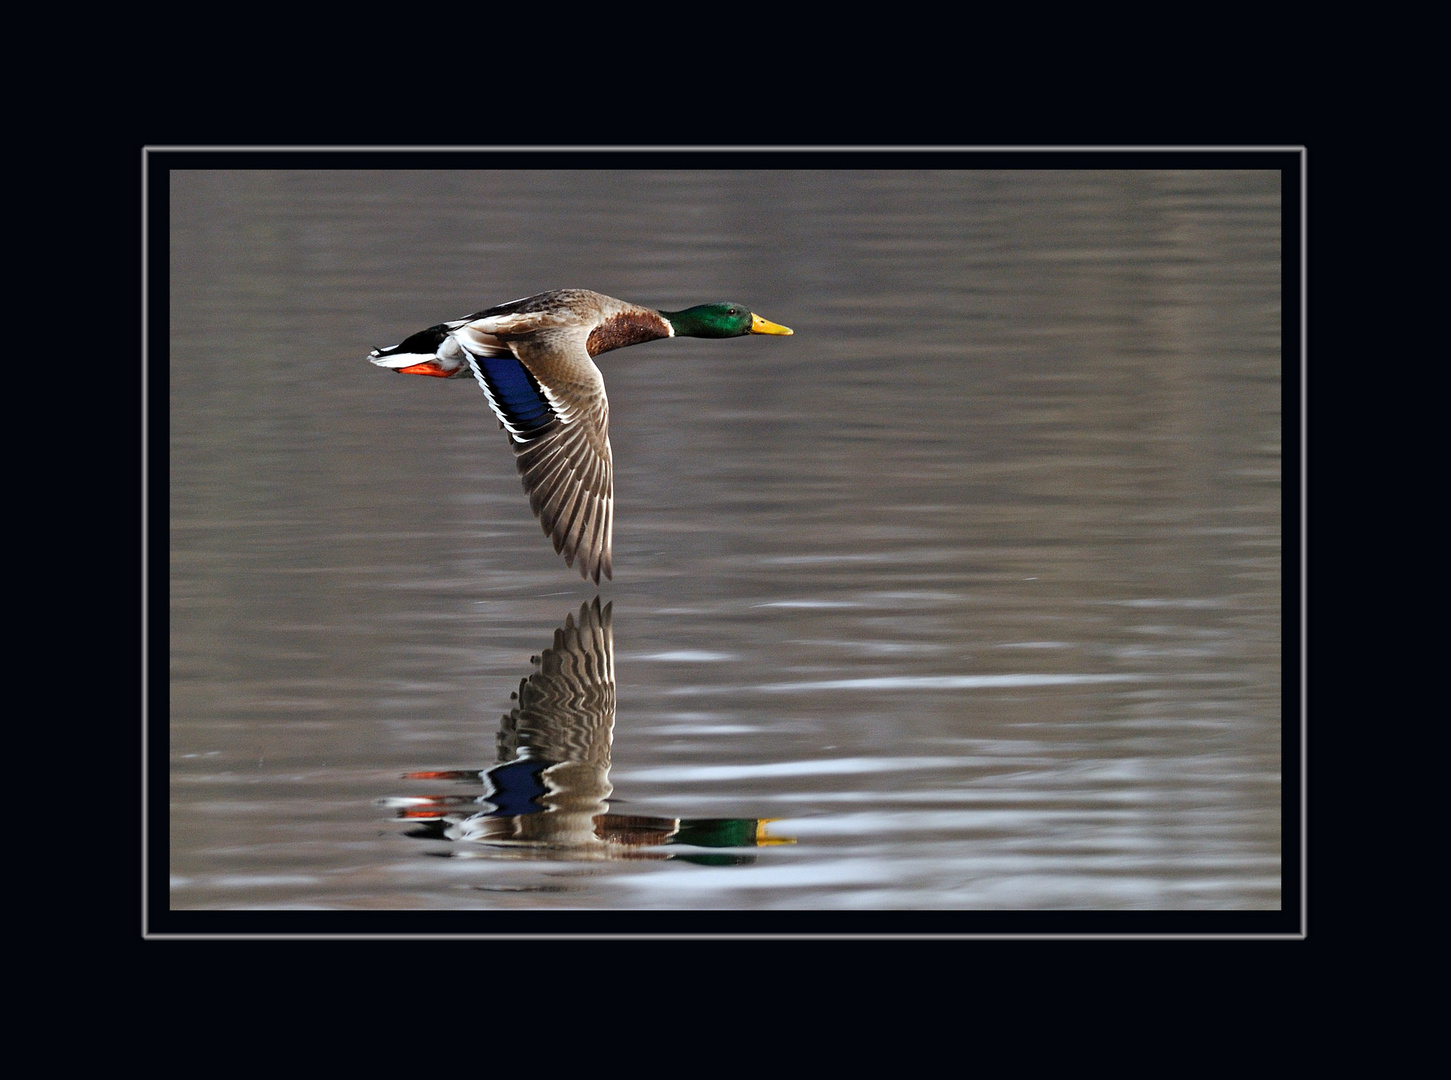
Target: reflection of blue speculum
(550,789)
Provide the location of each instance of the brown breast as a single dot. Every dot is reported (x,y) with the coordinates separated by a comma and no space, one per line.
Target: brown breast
(626,328)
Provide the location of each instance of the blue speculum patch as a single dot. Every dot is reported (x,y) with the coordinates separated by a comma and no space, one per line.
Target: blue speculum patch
(516,392)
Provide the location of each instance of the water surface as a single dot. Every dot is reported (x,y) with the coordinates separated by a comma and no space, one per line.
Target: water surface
(968,594)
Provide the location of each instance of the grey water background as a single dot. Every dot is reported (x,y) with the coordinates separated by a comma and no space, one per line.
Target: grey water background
(973,585)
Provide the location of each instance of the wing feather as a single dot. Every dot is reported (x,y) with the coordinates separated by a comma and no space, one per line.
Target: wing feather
(549,395)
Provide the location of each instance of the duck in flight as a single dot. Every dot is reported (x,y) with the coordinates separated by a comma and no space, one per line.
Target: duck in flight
(535,360)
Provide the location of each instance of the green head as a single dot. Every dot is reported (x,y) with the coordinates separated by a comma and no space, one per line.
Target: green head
(720,320)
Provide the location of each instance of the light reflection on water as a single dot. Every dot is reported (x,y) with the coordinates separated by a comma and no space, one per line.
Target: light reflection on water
(975,592)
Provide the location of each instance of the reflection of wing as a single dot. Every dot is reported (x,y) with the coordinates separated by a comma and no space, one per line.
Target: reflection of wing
(566,709)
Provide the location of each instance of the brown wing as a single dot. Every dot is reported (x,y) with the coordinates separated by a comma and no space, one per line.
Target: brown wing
(554,407)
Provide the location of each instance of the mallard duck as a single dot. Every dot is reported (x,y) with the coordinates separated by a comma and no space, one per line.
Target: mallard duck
(534,358)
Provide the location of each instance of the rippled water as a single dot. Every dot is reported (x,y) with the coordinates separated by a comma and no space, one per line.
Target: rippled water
(965,598)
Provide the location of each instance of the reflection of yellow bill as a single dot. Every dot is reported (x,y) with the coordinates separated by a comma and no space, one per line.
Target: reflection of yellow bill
(763,838)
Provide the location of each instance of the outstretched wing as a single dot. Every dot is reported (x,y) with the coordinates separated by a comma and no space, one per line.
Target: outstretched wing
(550,397)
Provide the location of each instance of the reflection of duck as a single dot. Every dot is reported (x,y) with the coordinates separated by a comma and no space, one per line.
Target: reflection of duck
(550,789)
(554,745)
(535,360)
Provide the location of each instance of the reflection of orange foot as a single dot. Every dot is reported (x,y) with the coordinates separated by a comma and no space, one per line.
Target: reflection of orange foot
(452,774)
(425,807)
